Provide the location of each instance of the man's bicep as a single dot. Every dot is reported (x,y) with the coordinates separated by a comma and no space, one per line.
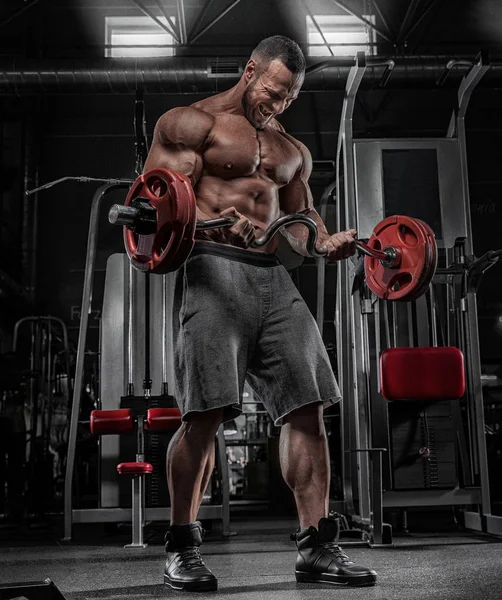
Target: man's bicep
(295,197)
(183,160)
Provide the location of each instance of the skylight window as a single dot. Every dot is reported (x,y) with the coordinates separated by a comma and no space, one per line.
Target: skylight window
(137,37)
(345,35)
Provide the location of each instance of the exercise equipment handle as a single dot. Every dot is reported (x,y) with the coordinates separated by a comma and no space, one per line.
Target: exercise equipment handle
(289,220)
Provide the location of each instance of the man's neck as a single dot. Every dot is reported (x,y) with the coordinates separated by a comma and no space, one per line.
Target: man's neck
(232,99)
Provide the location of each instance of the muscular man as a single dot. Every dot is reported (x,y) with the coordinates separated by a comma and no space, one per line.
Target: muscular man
(238,315)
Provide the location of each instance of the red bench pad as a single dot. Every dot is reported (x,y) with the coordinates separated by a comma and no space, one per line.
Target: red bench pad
(163,419)
(134,468)
(427,373)
(112,421)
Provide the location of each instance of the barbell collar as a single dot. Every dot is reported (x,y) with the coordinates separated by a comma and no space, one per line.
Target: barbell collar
(393,259)
(139,217)
(123,215)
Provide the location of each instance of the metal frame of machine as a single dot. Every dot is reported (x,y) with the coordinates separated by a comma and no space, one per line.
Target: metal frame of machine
(113,514)
(357,319)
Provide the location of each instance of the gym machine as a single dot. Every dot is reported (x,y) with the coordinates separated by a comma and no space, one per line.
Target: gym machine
(129,338)
(443,443)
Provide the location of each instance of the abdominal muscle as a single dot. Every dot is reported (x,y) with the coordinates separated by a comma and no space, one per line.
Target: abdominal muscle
(254,197)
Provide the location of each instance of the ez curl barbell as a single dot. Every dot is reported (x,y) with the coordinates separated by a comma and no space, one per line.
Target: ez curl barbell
(159,220)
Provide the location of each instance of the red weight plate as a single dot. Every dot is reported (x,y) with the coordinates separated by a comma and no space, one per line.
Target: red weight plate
(184,197)
(130,238)
(185,248)
(151,186)
(432,270)
(408,237)
(434,247)
(189,239)
(182,191)
(411,241)
(431,263)
(168,196)
(171,194)
(421,287)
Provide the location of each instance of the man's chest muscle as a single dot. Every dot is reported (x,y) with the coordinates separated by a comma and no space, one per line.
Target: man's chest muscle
(238,150)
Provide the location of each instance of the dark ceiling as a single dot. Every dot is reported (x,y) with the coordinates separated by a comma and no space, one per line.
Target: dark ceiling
(52,45)
(45,28)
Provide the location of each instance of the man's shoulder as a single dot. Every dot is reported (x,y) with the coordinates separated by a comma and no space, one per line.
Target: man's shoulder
(183,117)
(186,113)
(184,125)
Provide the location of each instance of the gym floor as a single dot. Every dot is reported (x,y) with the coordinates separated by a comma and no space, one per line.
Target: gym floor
(256,563)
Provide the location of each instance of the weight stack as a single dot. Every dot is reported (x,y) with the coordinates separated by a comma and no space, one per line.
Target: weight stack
(423,451)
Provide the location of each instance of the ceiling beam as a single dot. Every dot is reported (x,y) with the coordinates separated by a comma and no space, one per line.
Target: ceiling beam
(422,17)
(150,14)
(199,20)
(181,21)
(408,17)
(214,21)
(316,25)
(417,40)
(363,20)
(382,18)
(167,16)
(17,12)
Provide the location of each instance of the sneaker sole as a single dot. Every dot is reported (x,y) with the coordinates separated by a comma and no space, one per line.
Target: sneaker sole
(192,586)
(355,580)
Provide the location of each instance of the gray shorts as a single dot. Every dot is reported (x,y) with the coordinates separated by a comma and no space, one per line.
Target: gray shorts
(238,316)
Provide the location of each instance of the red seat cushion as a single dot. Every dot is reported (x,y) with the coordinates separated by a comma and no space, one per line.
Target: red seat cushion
(112,421)
(134,468)
(428,373)
(163,419)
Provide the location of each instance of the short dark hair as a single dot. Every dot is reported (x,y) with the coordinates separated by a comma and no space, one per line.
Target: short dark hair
(282,48)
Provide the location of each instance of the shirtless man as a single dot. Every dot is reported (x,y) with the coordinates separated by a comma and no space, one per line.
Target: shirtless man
(238,315)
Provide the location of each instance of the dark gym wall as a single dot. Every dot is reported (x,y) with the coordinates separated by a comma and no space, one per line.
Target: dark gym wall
(484,128)
(92,135)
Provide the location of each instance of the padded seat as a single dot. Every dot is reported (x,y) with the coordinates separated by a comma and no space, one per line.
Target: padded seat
(426,373)
(163,419)
(134,468)
(117,421)
(138,470)
(122,421)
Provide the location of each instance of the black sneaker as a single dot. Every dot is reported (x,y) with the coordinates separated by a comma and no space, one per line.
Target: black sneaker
(321,560)
(185,569)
